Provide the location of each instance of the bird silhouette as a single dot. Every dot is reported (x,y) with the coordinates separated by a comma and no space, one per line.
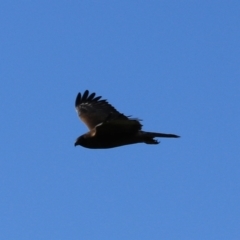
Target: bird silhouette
(109,128)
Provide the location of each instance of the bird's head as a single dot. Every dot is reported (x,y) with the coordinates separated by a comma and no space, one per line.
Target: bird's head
(79,141)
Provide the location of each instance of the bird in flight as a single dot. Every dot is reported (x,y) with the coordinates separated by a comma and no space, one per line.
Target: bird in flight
(109,128)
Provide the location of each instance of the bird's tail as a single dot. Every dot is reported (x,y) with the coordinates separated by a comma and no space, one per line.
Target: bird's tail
(148,137)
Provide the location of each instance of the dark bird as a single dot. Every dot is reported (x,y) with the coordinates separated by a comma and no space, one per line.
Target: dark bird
(108,127)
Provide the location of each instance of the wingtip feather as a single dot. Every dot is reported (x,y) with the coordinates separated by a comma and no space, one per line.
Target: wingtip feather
(78,99)
(85,95)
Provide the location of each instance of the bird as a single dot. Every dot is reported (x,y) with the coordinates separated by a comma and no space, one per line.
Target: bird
(108,128)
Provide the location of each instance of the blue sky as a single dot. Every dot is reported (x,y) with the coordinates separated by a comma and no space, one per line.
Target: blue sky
(174,64)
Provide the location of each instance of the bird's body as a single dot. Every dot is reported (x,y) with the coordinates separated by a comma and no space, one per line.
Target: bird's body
(108,127)
(104,141)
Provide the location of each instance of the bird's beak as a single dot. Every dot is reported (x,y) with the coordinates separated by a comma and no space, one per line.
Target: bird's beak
(75,144)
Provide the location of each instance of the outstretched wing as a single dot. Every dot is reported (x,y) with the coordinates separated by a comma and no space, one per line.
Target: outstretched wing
(94,110)
(118,127)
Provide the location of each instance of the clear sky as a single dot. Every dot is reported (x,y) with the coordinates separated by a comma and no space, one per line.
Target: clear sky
(174,64)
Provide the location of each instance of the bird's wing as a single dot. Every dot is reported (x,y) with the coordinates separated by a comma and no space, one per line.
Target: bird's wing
(94,110)
(118,127)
